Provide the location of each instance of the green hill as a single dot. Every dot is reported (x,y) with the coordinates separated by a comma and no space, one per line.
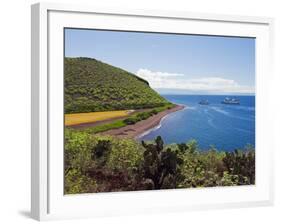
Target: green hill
(92,85)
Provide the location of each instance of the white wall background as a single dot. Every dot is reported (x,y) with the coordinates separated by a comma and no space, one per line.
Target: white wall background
(15,110)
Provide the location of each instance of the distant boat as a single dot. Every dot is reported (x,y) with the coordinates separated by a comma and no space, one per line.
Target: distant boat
(229,100)
(204,102)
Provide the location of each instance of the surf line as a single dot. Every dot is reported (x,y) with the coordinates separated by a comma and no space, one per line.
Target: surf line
(160,123)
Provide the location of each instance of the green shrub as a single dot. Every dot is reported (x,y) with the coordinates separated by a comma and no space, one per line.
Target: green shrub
(154,111)
(90,160)
(131,120)
(75,182)
(77,154)
(126,154)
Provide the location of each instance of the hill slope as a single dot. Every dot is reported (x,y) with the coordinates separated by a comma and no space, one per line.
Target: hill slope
(91,85)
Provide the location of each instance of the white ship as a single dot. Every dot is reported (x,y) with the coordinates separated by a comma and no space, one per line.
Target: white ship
(229,100)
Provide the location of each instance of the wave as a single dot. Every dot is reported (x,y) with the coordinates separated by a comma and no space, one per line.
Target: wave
(161,121)
(226,113)
(245,108)
(190,108)
(244,130)
(211,123)
(149,131)
(242,118)
(154,128)
(217,109)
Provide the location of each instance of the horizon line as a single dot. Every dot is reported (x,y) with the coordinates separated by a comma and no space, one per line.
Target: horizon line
(207,94)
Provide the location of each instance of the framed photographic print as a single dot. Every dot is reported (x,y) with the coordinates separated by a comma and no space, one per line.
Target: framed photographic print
(148,111)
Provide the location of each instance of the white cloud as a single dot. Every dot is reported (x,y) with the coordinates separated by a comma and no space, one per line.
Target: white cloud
(164,80)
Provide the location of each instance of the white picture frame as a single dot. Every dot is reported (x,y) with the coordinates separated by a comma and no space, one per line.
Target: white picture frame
(48,201)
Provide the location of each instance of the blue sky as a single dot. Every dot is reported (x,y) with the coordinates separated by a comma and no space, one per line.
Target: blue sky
(180,64)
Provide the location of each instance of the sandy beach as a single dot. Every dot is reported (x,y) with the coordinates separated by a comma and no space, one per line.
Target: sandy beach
(133,131)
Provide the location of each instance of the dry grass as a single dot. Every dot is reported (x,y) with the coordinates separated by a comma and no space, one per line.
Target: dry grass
(83,118)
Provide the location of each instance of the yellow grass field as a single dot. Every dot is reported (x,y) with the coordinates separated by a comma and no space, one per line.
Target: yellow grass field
(83,118)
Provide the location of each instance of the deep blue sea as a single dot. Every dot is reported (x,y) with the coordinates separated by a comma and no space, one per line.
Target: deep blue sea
(226,127)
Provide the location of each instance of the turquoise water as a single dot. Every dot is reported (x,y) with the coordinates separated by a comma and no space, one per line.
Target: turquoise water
(226,127)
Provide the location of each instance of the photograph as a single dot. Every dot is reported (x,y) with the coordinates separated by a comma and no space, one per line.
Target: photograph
(152,111)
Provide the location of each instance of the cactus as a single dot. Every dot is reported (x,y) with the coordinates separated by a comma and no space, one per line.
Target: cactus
(241,164)
(159,163)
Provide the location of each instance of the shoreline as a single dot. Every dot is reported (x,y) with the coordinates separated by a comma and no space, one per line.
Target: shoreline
(153,128)
(141,127)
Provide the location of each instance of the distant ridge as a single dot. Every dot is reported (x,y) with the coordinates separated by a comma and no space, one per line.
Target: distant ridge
(91,85)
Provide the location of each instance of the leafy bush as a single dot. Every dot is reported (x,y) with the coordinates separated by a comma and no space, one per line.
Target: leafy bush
(131,120)
(144,115)
(91,160)
(75,182)
(77,154)
(126,154)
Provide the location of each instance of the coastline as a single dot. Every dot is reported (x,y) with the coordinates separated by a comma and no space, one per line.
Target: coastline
(142,127)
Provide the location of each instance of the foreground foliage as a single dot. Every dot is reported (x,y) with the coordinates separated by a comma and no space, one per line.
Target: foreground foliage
(104,163)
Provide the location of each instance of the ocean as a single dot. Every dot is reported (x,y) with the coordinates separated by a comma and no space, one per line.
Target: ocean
(226,127)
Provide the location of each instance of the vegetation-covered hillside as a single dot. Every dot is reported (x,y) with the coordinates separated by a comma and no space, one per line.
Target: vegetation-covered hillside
(91,85)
